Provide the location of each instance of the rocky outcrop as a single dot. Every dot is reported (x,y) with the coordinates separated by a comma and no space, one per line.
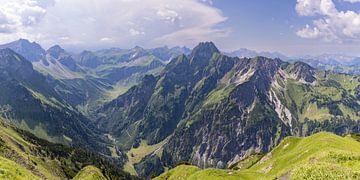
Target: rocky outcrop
(303,72)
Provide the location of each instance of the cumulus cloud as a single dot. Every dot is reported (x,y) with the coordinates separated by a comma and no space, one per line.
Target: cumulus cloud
(18,14)
(126,22)
(134,32)
(332,25)
(168,14)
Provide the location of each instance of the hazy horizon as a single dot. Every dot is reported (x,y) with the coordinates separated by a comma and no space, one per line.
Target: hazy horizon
(302,27)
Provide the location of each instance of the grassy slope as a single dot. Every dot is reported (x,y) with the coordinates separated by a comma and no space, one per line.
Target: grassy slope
(41,159)
(20,149)
(10,170)
(135,155)
(300,95)
(320,156)
(90,173)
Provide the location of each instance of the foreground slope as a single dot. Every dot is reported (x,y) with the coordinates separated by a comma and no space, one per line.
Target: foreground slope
(320,156)
(11,170)
(22,155)
(90,173)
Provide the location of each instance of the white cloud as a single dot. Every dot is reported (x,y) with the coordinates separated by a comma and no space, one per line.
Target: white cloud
(134,32)
(352,1)
(208,1)
(64,38)
(333,25)
(17,14)
(127,22)
(106,39)
(308,32)
(168,14)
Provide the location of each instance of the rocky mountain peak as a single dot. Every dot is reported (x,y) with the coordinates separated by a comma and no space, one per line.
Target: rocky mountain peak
(201,54)
(32,51)
(55,51)
(138,49)
(303,71)
(204,49)
(137,52)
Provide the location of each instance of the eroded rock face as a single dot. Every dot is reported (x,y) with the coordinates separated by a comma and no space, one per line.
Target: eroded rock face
(303,72)
(13,64)
(217,110)
(244,121)
(30,50)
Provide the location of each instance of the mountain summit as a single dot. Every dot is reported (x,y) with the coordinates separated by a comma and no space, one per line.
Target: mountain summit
(32,51)
(55,51)
(204,50)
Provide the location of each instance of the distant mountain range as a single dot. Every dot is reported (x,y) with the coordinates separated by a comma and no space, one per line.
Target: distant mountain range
(243,52)
(35,53)
(334,62)
(151,109)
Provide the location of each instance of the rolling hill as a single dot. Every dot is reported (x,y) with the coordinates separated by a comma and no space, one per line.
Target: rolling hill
(319,156)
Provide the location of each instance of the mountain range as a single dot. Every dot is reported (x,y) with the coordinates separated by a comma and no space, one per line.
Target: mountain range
(149,110)
(339,63)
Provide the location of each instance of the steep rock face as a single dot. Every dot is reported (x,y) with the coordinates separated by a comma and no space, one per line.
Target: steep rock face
(89,59)
(31,51)
(16,65)
(69,62)
(242,122)
(168,104)
(56,54)
(177,85)
(216,110)
(59,64)
(55,51)
(303,72)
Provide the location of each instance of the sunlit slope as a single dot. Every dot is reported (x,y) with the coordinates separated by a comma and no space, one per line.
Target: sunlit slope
(10,170)
(320,156)
(90,173)
(23,156)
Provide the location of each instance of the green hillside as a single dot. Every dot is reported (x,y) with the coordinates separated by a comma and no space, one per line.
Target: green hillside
(10,170)
(320,156)
(23,156)
(90,173)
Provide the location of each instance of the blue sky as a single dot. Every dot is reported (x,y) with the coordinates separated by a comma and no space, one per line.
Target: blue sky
(273,25)
(293,27)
